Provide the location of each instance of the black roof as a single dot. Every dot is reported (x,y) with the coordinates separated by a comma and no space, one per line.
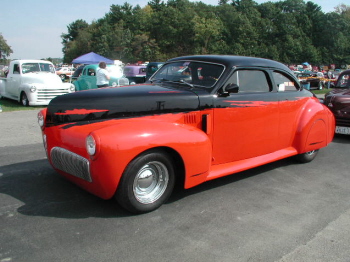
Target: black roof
(232,60)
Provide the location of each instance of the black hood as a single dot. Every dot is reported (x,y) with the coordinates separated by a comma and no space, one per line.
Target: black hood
(120,102)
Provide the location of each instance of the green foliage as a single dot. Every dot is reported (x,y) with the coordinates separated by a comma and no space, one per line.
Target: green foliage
(5,49)
(291,31)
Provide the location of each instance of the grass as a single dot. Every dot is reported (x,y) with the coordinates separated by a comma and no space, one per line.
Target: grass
(9,105)
(320,92)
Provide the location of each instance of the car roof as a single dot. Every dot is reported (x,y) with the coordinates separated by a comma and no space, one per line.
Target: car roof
(232,60)
(346,72)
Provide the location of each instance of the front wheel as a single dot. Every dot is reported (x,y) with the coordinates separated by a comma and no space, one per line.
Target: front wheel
(24,99)
(146,183)
(306,157)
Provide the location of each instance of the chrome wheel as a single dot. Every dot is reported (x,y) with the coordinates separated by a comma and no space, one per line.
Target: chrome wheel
(147,182)
(151,182)
(310,153)
(307,156)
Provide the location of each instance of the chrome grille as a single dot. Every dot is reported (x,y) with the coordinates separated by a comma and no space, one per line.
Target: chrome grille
(71,163)
(46,94)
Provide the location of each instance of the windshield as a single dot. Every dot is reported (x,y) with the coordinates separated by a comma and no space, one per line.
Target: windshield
(344,81)
(199,74)
(37,67)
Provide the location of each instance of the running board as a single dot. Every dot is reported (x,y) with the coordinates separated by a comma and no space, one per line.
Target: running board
(238,166)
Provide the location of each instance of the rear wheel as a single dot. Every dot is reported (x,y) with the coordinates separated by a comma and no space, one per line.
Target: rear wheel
(306,157)
(146,183)
(24,99)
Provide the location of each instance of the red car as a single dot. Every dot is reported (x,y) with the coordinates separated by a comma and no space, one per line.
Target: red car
(338,101)
(197,119)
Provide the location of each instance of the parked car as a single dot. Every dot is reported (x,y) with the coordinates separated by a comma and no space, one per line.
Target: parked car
(199,118)
(135,73)
(311,81)
(65,72)
(338,101)
(77,72)
(87,79)
(152,67)
(32,82)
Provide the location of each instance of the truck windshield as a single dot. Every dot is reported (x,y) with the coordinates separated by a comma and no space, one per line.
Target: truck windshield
(198,74)
(37,67)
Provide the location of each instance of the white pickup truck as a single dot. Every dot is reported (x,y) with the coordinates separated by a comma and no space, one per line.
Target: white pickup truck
(32,82)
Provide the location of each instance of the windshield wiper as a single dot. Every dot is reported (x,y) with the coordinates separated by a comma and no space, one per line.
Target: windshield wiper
(159,80)
(186,83)
(167,80)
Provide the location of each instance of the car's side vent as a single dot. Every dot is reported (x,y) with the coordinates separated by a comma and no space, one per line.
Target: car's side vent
(190,118)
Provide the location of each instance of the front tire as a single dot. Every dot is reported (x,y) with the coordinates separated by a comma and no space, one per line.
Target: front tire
(146,183)
(24,99)
(306,157)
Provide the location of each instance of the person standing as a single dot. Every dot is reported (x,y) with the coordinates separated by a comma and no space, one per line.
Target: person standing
(102,75)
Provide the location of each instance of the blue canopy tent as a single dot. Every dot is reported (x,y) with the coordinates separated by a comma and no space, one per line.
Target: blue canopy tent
(91,58)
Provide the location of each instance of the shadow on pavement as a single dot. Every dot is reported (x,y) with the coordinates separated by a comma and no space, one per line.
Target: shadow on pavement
(44,192)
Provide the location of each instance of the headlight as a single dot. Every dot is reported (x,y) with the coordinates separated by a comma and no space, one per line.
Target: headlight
(90,145)
(33,89)
(41,119)
(72,88)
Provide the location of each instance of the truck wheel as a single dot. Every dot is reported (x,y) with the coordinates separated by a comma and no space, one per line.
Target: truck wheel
(63,77)
(306,157)
(24,99)
(146,183)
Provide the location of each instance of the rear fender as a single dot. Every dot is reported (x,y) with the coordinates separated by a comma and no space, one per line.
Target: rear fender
(121,143)
(316,128)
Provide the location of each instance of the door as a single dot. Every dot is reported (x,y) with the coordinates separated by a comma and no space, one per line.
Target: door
(14,81)
(246,122)
(291,103)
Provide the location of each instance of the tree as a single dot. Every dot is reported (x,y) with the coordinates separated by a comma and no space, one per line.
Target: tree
(5,49)
(290,31)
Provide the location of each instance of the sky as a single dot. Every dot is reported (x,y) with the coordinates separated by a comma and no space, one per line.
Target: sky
(33,28)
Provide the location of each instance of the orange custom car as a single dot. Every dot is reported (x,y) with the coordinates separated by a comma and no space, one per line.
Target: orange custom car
(198,118)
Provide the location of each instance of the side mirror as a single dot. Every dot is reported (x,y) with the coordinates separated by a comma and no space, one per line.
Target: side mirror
(231,88)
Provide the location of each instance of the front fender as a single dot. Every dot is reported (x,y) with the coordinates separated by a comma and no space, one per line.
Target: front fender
(24,87)
(316,127)
(121,143)
(77,86)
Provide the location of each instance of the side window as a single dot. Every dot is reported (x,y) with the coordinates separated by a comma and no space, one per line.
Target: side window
(284,83)
(250,81)
(16,69)
(91,72)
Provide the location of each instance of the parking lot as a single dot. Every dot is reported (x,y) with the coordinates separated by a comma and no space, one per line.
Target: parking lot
(282,211)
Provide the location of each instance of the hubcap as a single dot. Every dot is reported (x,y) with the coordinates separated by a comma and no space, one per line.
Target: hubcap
(151,182)
(310,152)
